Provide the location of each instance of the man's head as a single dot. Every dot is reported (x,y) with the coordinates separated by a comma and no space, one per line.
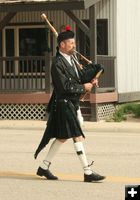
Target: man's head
(66,42)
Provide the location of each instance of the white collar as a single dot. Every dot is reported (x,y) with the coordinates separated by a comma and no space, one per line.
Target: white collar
(66,56)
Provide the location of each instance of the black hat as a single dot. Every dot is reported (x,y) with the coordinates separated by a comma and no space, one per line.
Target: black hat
(65,35)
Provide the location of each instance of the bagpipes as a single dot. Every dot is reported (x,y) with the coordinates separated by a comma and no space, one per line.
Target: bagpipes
(100,69)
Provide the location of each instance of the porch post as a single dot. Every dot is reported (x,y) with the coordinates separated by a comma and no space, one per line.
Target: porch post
(48,87)
(1,74)
(1,62)
(93,53)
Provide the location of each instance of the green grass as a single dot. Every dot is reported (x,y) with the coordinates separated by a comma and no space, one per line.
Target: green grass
(124,109)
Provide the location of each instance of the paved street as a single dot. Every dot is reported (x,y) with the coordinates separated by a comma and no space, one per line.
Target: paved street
(116,155)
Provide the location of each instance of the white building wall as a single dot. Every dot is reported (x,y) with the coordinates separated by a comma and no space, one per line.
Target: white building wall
(128,45)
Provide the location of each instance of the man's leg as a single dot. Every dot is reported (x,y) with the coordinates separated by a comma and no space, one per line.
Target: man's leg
(89,175)
(43,170)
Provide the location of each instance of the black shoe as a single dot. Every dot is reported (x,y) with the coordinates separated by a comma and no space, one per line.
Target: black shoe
(93,177)
(46,173)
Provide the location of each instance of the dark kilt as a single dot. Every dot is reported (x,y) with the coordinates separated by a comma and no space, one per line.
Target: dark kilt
(62,123)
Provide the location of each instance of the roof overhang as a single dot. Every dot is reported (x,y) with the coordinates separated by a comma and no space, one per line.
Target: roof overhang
(42,5)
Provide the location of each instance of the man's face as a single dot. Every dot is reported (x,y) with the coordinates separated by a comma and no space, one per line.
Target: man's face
(68,46)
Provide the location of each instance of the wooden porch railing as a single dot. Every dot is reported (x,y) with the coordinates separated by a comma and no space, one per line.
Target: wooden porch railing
(22,74)
(31,74)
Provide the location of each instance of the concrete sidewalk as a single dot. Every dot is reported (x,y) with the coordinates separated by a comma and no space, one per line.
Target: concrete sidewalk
(87,126)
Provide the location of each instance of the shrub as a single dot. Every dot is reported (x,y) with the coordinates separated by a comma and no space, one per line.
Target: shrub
(124,109)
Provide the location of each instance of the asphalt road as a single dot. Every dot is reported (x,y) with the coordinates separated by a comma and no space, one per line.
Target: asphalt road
(116,155)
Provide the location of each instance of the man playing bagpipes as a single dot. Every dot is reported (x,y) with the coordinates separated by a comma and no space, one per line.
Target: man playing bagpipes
(69,81)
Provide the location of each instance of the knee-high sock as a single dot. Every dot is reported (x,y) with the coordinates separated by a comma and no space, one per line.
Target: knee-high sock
(82,156)
(51,153)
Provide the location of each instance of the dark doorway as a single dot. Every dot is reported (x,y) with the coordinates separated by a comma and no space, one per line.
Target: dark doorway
(83,41)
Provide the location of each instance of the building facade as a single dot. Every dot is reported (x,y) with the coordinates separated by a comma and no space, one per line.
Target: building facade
(104,33)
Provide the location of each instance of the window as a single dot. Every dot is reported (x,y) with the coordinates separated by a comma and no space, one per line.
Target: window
(102,38)
(33,42)
(25,48)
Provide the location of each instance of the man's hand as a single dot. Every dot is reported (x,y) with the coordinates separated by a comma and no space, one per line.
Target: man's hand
(95,82)
(88,87)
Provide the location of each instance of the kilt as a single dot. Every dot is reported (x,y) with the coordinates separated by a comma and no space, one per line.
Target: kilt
(62,123)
